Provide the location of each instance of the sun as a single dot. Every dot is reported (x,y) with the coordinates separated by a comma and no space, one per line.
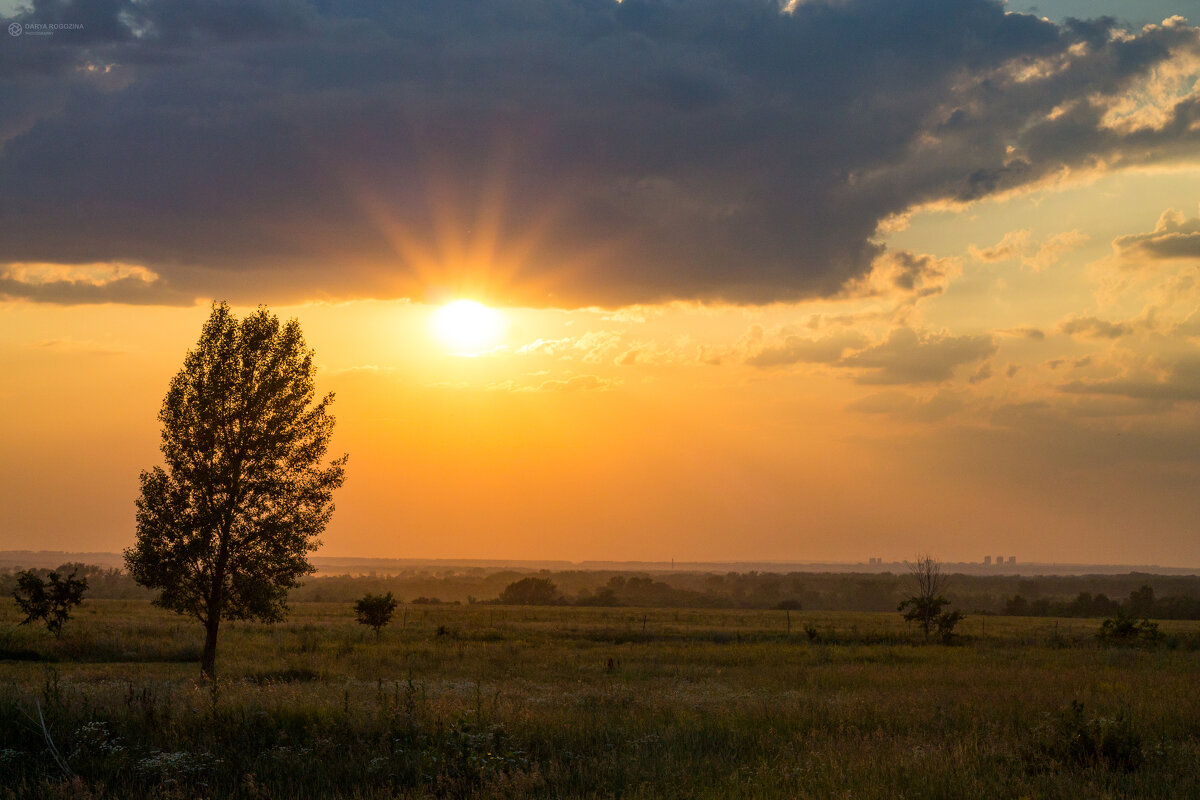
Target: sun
(467,327)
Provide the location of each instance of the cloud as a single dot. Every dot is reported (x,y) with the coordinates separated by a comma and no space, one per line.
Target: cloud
(576,383)
(1053,249)
(1011,246)
(797,349)
(363,369)
(901,405)
(67,345)
(1077,363)
(1181,383)
(570,153)
(1025,333)
(982,373)
(1094,328)
(596,347)
(87,284)
(1190,326)
(908,356)
(1173,237)
(1019,245)
(906,275)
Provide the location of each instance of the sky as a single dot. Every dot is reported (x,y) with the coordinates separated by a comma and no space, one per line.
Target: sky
(802,281)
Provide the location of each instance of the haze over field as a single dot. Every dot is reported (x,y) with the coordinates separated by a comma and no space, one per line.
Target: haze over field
(807,281)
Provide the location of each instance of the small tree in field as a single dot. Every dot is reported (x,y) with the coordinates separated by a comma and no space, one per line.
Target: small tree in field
(226,528)
(49,600)
(925,606)
(376,610)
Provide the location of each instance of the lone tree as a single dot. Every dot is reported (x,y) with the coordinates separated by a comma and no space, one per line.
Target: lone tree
(49,600)
(375,610)
(226,528)
(925,607)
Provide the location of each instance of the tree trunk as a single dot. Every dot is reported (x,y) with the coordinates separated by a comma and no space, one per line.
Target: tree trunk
(208,662)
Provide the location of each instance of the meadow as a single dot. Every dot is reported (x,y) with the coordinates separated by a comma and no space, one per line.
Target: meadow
(564,702)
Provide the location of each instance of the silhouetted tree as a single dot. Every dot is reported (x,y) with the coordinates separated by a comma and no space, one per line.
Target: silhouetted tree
(376,610)
(225,529)
(925,607)
(530,592)
(49,600)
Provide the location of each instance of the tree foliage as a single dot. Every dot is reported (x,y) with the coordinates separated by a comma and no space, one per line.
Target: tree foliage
(49,600)
(224,530)
(375,610)
(531,592)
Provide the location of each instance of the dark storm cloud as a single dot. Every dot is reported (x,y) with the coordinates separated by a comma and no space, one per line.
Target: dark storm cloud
(590,152)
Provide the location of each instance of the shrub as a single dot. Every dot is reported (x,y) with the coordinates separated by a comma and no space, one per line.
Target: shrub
(1124,628)
(946,621)
(49,600)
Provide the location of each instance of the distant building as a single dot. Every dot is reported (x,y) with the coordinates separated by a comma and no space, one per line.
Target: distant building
(1012,559)
(987,561)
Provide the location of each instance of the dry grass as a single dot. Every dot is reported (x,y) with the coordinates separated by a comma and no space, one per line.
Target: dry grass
(523,702)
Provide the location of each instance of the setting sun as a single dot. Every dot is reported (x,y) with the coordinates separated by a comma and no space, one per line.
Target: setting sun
(466,326)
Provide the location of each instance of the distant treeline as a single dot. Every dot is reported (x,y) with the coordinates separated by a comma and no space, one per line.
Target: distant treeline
(103,582)
(1141,602)
(1140,594)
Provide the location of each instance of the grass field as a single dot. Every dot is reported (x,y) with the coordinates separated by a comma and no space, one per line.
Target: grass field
(490,701)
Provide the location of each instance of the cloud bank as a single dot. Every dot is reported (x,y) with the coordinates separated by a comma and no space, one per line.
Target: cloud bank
(569,153)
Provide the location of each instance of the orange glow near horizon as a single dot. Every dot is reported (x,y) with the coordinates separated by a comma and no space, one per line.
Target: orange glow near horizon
(1032,410)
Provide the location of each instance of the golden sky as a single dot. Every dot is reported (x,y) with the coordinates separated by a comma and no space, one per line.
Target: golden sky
(749,305)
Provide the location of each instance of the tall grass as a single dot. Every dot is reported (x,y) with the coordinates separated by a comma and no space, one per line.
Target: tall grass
(591,703)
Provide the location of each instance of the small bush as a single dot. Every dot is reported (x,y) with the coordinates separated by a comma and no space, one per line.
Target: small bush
(49,600)
(946,622)
(1122,628)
